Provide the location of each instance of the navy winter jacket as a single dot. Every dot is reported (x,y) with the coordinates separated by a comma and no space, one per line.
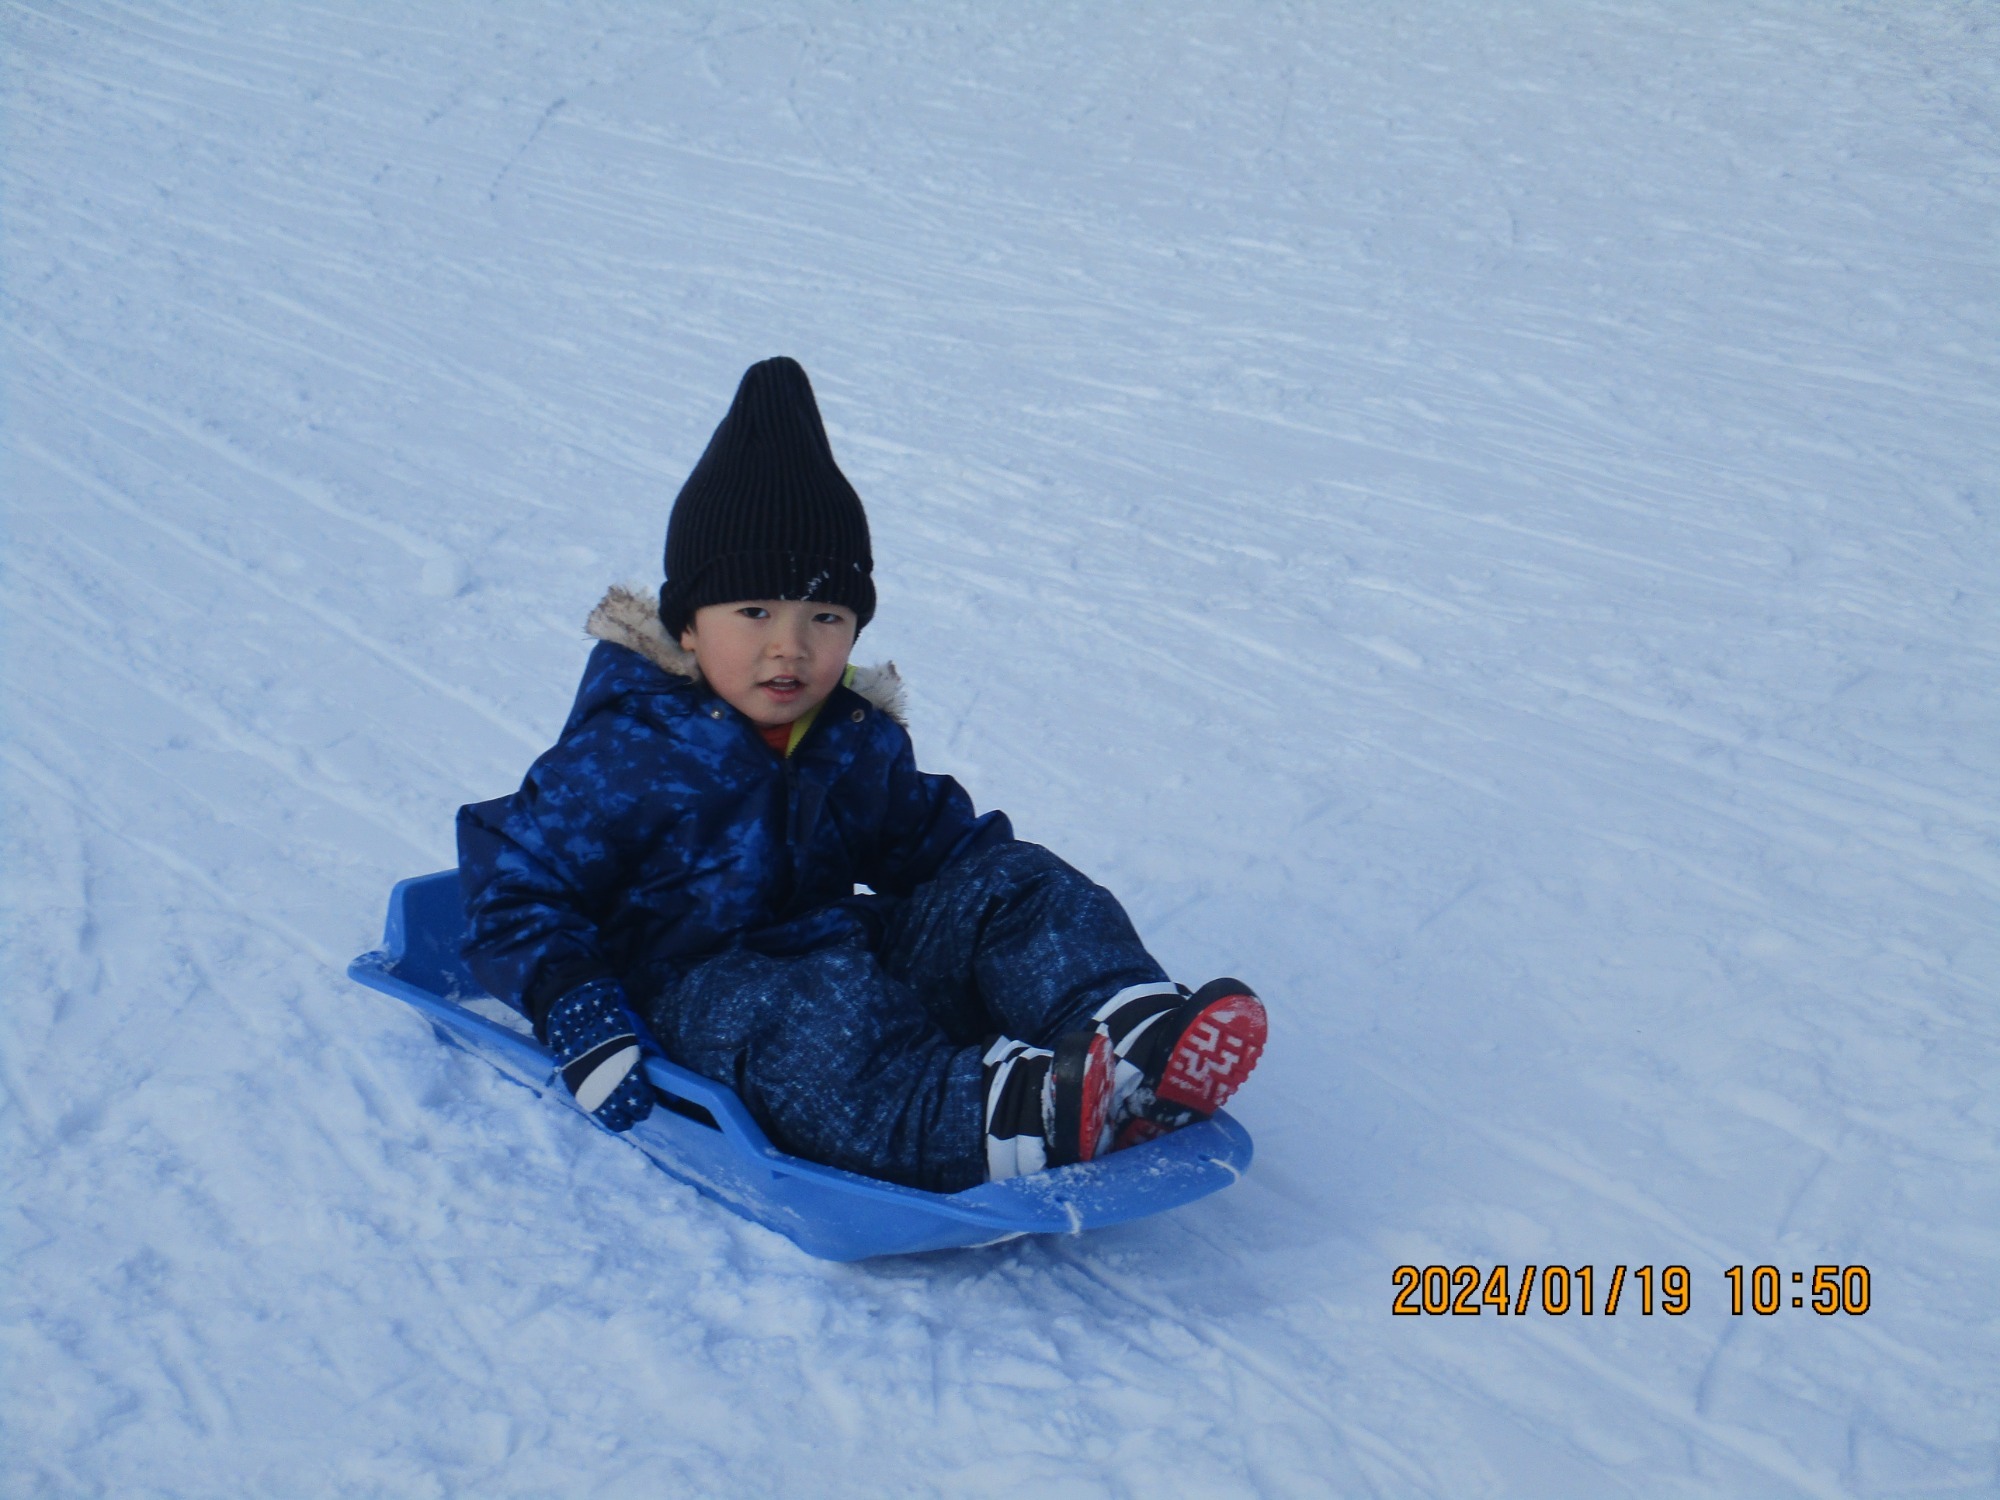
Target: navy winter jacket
(661,829)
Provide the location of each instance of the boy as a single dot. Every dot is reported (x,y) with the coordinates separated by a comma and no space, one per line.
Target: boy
(682,865)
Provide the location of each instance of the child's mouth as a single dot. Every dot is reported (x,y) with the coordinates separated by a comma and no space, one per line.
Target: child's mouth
(782,687)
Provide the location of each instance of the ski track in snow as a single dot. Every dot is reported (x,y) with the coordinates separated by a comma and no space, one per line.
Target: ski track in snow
(1484,522)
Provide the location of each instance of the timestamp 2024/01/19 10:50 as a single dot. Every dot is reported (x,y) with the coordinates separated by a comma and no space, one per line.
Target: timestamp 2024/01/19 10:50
(1467,1291)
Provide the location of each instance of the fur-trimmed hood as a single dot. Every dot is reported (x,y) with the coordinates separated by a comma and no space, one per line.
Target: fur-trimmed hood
(630,617)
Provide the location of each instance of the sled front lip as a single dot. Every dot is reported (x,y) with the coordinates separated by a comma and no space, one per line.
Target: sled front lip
(707,1138)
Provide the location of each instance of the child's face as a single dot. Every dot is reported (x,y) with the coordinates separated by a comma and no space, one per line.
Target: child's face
(774,660)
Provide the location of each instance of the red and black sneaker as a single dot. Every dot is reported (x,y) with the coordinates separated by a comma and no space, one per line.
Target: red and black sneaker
(1046,1109)
(1180,1055)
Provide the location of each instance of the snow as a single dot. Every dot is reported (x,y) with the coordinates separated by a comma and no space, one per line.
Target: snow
(1482,520)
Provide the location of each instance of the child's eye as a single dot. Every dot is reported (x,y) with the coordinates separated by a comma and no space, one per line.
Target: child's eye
(826,617)
(754,612)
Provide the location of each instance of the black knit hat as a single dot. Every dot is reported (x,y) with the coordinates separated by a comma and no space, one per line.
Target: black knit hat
(767,514)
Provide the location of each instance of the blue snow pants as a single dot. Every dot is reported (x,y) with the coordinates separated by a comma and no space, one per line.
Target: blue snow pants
(869,1056)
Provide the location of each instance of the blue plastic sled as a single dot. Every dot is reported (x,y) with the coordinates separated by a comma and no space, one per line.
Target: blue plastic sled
(704,1136)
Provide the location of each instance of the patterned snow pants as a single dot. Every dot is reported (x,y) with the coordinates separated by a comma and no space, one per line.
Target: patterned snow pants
(869,1057)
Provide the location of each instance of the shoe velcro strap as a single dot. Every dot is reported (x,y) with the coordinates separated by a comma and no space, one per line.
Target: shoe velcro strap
(1015,1146)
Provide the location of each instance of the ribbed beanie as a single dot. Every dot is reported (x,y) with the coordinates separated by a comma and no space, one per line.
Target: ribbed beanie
(767,514)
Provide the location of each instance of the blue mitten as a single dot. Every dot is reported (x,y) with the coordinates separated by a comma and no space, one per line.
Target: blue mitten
(596,1045)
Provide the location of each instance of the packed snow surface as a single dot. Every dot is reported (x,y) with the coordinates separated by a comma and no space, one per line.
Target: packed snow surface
(1483,520)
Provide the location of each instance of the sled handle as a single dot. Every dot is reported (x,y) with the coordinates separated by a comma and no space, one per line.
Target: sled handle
(708,1103)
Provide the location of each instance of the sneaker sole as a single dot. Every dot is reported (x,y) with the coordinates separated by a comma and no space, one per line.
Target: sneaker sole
(1082,1068)
(1216,1050)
